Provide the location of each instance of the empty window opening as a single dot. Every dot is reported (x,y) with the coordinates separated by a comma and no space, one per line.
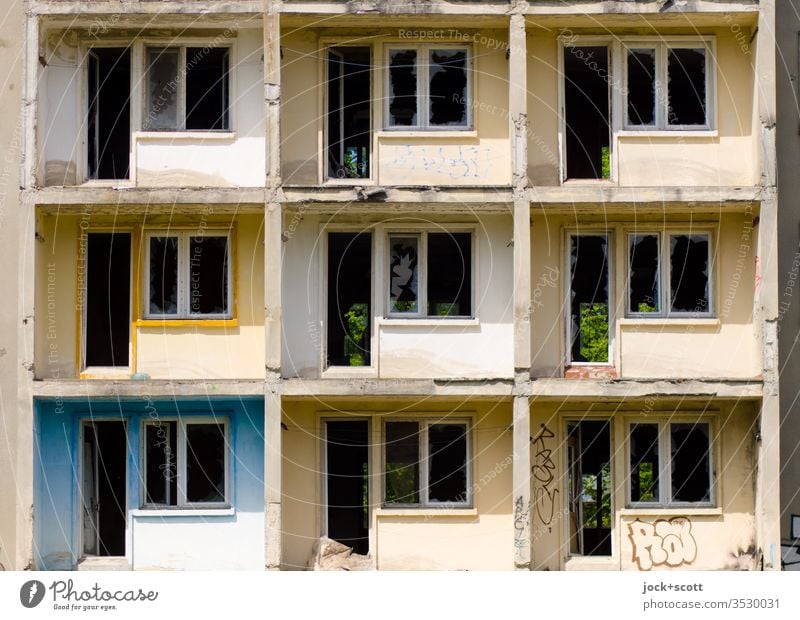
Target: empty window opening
(349,299)
(691,462)
(108,299)
(689,273)
(104,457)
(644,463)
(347,483)
(686,77)
(589,481)
(587,112)
(187,89)
(643,295)
(642,87)
(589,300)
(349,112)
(402,463)
(108,118)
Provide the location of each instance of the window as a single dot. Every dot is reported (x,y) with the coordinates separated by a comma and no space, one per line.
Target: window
(588,302)
(108,113)
(188,276)
(187,89)
(186,463)
(670,463)
(428,87)
(441,285)
(426,463)
(668,86)
(683,287)
(349,121)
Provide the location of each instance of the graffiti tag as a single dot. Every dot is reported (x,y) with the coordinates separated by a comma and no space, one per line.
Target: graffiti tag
(544,472)
(662,543)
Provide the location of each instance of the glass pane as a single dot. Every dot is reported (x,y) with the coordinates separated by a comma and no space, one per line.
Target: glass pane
(403,275)
(691,462)
(447,462)
(163,275)
(589,298)
(642,87)
(402,88)
(448,87)
(206,88)
(402,463)
(205,462)
(689,262)
(449,274)
(208,275)
(161,457)
(644,463)
(643,293)
(162,89)
(687,86)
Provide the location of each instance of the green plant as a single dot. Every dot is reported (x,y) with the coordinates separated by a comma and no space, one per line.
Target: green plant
(605,155)
(357,317)
(404,306)
(645,307)
(594,332)
(351,164)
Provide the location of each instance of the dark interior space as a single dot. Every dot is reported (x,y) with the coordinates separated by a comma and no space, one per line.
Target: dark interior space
(689,273)
(403,88)
(205,463)
(208,275)
(643,286)
(348,483)
(448,463)
(161,457)
(349,296)
(449,274)
(644,463)
(642,87)
(594,479)
(108,284)
(587,112)
(687,87)
(207,88)
(690,463)
(589,298)
(109,441)
(108,118)
(349,118)
(448,87)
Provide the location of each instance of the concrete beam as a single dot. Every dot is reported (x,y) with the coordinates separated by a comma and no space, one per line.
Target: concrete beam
(80,389)
(396,388)
(653,8)
(599,194)
(394,7)
(595,390)
(163,7)
(144,199)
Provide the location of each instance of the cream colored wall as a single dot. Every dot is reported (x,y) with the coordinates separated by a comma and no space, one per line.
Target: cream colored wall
(722,347)
(480,539)
(719,534)
(163,352)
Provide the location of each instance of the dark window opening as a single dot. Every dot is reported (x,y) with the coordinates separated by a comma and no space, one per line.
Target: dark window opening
(161,463)
(644,463)
(447,454)
(449,274)
(163,275)
(643,291)
(207,88)
(108,299)
(208,275)
(587,113)
(349,299)
(349,112)
(689,275)
(347,466)
(691,463)
(589,307)
(687,86)
(403,88)
(642,87)
(162,90)
(205,462)
(448,87)
(108,119)
(402,463)
(404,274)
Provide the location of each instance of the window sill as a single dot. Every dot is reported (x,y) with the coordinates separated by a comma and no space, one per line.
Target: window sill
(429,322)
(105,373)
(184,135)
(187,323)
(668,133)
(425,133)
(184,512)
(672,511)
(348,372)
(666,322)
(580,562)
(426,512)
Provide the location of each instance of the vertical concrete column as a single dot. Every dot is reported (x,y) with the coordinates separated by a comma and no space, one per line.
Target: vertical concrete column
(30,97)
(273,231)
(766,314)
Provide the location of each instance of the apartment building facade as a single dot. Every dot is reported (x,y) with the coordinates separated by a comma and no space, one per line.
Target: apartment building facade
(458,285)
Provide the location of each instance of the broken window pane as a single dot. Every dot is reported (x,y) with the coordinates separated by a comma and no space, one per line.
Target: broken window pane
(349,112)
(205,462)
(208,275)
(402,463)
(403,88)
(403,275)
(161,463)
(163,275)
(689,263)
(691,462)
(448,87)
(447,463)
(644,463)
(207,88)
(687,86)
(449,274)
(643,293)
(162,89)
(589,298)
(642,87)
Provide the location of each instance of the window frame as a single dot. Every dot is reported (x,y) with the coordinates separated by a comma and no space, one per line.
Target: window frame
(423,440)
(662,47)
(422,272)
(665,275)
(423,87)
(184,277)
(664,424)
(181,503)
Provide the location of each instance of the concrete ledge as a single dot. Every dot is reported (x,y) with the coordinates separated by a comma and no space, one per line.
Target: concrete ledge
(602,193)
(396,388)
(112,7)
(77,389)
(621,389)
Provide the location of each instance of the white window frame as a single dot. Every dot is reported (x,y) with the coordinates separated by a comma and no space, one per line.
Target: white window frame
(665,461)
(422,272)
(662,48)
(181,90)
(184,265)
(424,463)
(181,462)
(423,86)
(665,274)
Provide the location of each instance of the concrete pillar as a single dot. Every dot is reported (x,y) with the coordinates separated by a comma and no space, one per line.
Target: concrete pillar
(521,474)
